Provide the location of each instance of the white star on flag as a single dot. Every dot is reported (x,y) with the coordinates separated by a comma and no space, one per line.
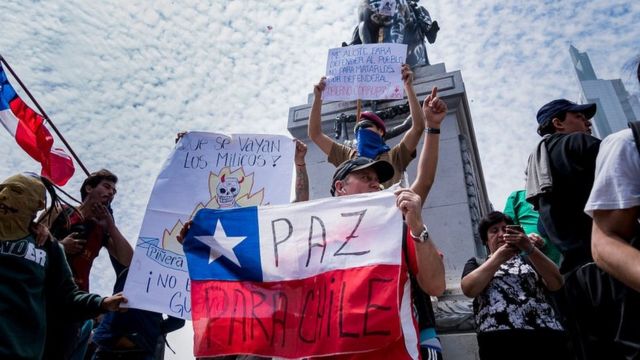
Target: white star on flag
(221,244)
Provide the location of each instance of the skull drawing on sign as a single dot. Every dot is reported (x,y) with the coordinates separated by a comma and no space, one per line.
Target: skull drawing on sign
(227,190)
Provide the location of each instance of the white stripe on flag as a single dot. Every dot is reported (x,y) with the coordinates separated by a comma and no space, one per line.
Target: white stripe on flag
(9,121)
(60,153)
(409,331)
(329,234)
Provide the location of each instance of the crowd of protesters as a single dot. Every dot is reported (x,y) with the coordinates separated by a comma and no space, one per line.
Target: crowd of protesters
(580,210)
(47,311)
(560,280)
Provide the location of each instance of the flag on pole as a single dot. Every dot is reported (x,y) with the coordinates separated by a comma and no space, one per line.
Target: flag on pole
(27,127)
(316,278)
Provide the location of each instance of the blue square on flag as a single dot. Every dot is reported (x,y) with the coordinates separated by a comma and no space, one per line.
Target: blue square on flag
(224,245)
(6,91)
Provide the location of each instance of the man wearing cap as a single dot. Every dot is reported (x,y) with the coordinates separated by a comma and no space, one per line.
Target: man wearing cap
(560,175)
(572,152)
(424,261)
(370,131)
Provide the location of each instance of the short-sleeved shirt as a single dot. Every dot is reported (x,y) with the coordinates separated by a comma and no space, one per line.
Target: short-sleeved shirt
(515,299)
(399,156)
(523,214)
(617,181)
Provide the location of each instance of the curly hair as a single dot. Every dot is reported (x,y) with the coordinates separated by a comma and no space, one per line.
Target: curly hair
(491,219)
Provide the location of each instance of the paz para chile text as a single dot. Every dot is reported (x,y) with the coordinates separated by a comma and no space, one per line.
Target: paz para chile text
(340,311)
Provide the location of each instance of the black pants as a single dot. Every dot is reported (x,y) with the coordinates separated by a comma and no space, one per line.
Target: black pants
(523,345)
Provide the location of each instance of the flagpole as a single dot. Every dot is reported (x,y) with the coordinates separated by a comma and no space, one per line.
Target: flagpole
(44,115)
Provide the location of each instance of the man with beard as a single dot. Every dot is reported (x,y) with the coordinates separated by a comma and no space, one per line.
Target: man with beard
(83,232)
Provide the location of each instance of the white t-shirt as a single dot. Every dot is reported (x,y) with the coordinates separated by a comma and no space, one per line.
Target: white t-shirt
(617,179)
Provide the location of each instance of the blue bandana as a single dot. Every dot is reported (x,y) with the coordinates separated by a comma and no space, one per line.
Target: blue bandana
(370,144)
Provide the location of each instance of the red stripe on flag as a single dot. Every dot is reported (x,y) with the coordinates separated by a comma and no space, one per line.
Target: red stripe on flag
(31,135)
(34,138)
(337,312)
(60,167)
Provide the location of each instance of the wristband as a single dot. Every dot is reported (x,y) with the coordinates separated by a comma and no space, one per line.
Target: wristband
(528,252)
(432,130)
(303,164)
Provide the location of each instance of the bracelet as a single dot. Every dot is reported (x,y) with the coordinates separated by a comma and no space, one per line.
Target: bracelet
(528,252)
(432,130)
(303,164)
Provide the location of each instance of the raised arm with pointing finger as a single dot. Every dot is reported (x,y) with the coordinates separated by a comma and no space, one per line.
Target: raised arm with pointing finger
(431,267)
(435,110)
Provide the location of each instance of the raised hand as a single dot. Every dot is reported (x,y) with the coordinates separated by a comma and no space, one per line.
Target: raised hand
(179,135)
(301,152)
(319,87)
(184,231)
(407,75)
(434,108)
(518,240)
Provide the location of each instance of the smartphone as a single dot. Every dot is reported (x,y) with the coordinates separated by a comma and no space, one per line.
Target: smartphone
(516,228)
(81,229)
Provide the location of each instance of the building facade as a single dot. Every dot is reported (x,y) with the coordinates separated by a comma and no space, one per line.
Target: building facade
(616,107)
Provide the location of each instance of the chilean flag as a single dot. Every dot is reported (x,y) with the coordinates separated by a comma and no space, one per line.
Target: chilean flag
(317,278)
(27,127)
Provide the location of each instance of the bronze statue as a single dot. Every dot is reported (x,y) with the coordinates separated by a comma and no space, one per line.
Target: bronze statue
(396,21)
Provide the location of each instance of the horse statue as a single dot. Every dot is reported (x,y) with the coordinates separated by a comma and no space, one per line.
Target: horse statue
(396,21)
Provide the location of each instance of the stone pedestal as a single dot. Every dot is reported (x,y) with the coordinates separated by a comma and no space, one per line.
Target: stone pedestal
(458,198)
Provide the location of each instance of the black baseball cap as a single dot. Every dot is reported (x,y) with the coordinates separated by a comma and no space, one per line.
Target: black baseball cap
(555,107)
(384,169)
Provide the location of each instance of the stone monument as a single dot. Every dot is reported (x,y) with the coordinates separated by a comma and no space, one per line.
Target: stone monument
(396,21)
(458,198)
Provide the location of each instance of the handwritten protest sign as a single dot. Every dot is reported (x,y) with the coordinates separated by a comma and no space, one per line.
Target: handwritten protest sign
(205,170)
(367,72)
(308,279)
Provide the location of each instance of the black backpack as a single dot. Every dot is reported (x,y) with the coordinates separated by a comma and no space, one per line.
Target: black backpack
(617,304)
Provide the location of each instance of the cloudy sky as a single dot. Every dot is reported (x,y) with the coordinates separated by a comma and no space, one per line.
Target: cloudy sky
(120,78)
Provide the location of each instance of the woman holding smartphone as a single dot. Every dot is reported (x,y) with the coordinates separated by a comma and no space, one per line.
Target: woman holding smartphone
(514,318)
